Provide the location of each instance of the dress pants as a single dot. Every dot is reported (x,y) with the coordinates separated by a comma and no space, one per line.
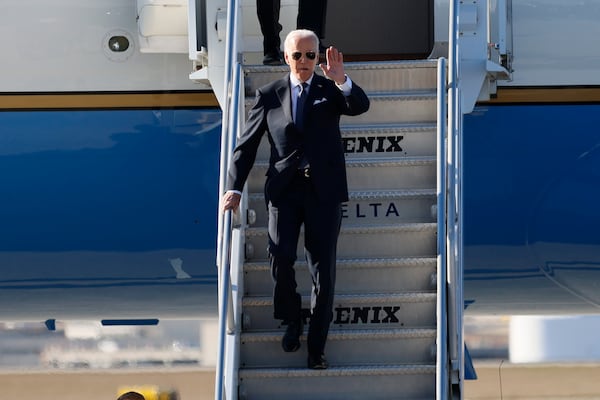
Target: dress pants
(300,205)
(311,15)
(268,18)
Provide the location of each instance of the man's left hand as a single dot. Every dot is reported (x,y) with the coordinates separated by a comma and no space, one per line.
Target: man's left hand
(334,69)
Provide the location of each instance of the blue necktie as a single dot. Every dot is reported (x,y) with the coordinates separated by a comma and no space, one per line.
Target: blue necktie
(300,105)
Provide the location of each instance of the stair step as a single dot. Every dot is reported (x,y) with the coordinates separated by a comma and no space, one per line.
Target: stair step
(378,128)
(383,140)
(392,174)
(379,141)
(394,75)
(395,206)
(364,174)
(339,383)
(344,348)
(351,311)
(398,240)
(371,76)
(402,107)
(409,106)
(408,274)
(368,207)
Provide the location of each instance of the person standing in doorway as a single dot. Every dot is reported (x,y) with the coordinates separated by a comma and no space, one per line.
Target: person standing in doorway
(311,16)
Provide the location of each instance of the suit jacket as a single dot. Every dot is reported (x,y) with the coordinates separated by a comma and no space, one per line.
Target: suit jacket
(320,140)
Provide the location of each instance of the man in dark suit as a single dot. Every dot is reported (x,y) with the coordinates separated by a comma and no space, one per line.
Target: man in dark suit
(311,15)
(306,180)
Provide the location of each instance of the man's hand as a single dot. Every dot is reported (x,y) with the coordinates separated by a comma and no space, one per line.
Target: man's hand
(230,201)
(334,69)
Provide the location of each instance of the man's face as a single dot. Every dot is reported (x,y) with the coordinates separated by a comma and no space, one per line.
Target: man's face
(303,67)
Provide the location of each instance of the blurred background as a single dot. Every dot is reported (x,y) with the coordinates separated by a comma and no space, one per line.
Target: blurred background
(518,357)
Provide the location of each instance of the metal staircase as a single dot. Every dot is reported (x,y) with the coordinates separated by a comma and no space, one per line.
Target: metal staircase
(397,326)
(382,342)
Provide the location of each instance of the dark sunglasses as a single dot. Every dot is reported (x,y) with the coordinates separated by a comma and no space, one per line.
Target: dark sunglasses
(311,55)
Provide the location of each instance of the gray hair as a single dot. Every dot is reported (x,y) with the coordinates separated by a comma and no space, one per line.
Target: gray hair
(299,34)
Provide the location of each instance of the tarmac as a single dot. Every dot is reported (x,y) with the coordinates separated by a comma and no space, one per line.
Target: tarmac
(496,380)
(504,381)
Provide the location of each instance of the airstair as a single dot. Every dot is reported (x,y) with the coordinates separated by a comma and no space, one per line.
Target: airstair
(396,330)
(382,342)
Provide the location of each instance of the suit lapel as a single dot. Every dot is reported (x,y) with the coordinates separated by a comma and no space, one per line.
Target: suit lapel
(284,94)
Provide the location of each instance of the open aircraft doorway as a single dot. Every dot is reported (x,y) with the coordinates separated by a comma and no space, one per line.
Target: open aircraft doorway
(365,30)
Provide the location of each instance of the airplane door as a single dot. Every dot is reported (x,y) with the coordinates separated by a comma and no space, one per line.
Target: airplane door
(381,29)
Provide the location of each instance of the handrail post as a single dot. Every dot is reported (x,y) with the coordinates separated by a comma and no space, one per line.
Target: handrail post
(442,383)
(224,285)
(228,134)
(234,128)
(454,199)
(226,137)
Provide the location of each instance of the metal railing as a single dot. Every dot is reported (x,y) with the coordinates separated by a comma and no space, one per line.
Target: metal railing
(229,132)
(454,205)
(442,365)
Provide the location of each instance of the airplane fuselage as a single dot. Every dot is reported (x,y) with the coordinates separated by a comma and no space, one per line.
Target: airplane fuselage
(110,171)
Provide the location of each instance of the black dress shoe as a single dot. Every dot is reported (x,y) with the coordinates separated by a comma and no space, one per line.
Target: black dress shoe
(291,338)
(317,361)
(273,59)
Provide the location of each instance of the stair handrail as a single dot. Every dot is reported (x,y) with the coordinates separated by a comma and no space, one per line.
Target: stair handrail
(442,365)
(454,206)
(229,132)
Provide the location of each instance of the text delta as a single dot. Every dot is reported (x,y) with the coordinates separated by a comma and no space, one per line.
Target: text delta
(372,210)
